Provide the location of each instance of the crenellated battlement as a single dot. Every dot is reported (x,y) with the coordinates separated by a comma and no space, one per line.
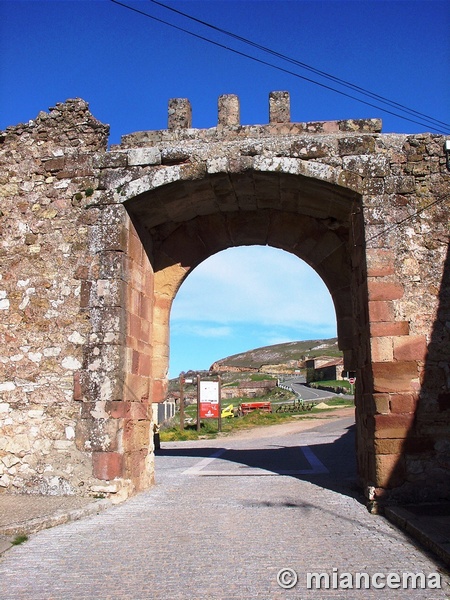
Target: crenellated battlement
(229,127)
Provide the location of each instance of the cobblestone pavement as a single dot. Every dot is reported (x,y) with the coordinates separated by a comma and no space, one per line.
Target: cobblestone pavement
(224,518)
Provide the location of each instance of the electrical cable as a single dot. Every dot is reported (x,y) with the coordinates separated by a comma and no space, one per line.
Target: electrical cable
(390,228)
(365,92)
(260,61)
(408,218)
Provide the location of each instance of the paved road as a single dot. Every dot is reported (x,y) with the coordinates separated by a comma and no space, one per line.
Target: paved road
(225,517)
(306,392)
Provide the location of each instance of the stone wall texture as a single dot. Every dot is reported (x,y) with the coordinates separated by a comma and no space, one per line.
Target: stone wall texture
(96,242)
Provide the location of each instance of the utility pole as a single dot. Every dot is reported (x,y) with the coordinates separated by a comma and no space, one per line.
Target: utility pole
(181,401)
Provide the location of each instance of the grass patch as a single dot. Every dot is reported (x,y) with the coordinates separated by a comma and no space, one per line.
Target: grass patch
(19,539)
(338,401)
(332,383)
(256,418)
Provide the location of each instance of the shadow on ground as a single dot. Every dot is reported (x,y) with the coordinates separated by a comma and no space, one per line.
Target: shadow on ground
(289,460)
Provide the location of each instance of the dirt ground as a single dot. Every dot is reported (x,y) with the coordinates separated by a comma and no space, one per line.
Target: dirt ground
(302,424)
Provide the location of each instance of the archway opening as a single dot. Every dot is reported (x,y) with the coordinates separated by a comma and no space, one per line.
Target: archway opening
(245,298)
(183,223)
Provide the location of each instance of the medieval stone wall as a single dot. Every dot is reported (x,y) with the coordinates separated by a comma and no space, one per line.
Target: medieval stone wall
(46,174)
(96,243)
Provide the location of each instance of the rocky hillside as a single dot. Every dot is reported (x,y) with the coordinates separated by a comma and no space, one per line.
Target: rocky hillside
(280,357)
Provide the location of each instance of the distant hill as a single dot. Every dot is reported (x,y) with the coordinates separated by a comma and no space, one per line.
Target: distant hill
(287,357)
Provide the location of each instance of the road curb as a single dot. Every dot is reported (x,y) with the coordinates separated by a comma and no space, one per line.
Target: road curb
(408,522)
(57,518)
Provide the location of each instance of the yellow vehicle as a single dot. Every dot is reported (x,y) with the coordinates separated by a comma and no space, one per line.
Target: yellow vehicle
(227,412)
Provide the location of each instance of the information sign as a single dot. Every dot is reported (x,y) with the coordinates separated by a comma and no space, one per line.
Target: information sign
(209,399)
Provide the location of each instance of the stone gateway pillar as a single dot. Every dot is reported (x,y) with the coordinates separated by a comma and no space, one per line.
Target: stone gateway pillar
(95,244)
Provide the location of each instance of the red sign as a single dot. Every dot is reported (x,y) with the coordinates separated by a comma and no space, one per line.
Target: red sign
(352,380)
(209,410)
(209,392)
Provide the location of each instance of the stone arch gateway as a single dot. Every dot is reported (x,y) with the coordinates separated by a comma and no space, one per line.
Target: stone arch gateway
(96,242)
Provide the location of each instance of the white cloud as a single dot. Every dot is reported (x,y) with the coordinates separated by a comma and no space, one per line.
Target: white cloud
(255,284)
(201,330)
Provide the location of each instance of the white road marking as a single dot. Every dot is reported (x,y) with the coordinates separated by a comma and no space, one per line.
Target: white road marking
(200,468)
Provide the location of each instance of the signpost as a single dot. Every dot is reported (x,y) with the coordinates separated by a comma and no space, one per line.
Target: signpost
(208,401)
(352,383)
(182,381)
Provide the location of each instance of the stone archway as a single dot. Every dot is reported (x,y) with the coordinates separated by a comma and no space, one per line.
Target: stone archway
(183,223)
(96,242)
(311,219)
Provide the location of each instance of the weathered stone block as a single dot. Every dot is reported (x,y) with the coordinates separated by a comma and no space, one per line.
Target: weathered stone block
(397,328)
(381,311)
(367,165)
(384,290)
(107,465)
(381,403)
(389,446)
(381,349)
(410,347)
(180,114)
(159,390)
(279,107)
(403,403)
(394,376)
(389,470)
(144,156)
(136,435)
(229,111)
(356,145)
(393,425)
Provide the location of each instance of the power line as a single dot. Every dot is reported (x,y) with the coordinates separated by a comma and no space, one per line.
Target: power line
(361,90)
(263,62)
(408,218)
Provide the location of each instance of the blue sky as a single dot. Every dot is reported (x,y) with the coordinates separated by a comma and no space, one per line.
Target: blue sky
(127,66)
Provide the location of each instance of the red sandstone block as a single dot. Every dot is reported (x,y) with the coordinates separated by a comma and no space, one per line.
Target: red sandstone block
(394,376)
(393,425)
(136,388)
(410,347)
(77,391)
(117,409)
(128,410)
(380,311)
(135,362)
(380,270)
(145,365)
(159,390)
(135,464)
(384,290)
(145,330)
(381,403)
(396,328)
(380,262)
(139,411)
(146,308)
(389,470)
(389,445)
(134,301)
(403,403)
(136,435)
(134,326)
(381,349)
(162,303)
(135,248)
(107,465)
(85,293)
